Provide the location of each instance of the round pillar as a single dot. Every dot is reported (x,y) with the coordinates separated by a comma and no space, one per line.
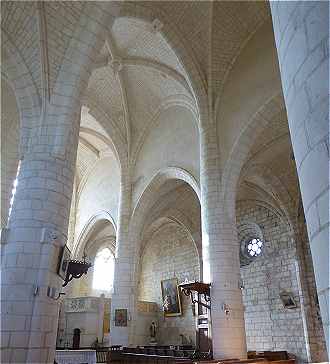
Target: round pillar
(302,39)
(221,265)
(37,230)
(123,295)
(31,250)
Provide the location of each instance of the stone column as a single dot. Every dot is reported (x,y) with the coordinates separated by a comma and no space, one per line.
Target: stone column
(38,224)
(31,248)
(302,39)
(220,257)
(123,294)
(100,319)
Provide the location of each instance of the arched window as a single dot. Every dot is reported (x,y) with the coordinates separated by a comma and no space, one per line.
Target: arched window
(13,191)
(104,265)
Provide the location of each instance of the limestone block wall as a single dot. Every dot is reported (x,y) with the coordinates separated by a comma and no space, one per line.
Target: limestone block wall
(84,313)
(170,253)
(148,312)
(269,326)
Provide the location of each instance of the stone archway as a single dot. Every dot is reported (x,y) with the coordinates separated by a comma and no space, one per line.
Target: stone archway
(240,150)
(88,229)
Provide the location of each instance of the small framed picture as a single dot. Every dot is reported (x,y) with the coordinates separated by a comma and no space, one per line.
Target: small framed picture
(64,262)
(288,300)
(171,297)
(120,317)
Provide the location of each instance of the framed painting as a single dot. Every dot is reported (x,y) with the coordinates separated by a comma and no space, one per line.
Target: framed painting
(288,300)
(120,317)
(64,262)
(171,297)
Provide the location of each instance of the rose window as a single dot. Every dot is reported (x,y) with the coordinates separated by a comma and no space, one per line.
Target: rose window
(254,247)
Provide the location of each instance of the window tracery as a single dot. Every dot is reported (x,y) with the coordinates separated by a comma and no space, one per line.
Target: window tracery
(254,247)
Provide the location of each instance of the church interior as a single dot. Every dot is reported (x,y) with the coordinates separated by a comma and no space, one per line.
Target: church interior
(165,182)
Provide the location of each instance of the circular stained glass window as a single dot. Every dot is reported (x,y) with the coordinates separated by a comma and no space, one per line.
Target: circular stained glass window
(254,247)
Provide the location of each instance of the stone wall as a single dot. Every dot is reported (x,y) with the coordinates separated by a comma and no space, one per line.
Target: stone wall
(270,326)
(148,312)
(169,253)
(86,314)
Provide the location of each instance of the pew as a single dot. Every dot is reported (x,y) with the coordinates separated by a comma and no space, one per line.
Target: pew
(236,361)
(275,357)
(133,358)
(259,360)
(270,355)
(167,355)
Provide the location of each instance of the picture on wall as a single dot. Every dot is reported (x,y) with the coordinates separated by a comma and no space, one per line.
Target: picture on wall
(121,317)
(64,262)
(288,300)
(171,297)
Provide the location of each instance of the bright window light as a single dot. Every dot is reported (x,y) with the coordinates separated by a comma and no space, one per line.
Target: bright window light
(254,247)
(13,191)
(104,265)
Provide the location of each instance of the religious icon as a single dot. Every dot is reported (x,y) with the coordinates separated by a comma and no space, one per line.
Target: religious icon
(121,317)
(287,300)
(153,330)
(171,297)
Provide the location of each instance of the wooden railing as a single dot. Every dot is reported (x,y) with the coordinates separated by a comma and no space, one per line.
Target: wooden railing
(164,355)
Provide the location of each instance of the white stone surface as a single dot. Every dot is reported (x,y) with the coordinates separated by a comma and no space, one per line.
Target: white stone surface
(302,37)
(196,100)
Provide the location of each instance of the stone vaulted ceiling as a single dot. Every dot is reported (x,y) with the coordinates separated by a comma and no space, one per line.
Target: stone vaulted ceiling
(144,64)
(269,173)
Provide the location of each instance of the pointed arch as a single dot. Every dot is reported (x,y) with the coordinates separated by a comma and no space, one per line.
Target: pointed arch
(88,230)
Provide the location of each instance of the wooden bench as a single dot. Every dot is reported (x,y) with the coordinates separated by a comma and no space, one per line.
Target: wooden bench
(270,355)
(275,357)
(133,358)
(250,361)
(236,361)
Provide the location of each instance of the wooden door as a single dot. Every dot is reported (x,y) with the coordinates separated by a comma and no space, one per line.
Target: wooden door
(76,339)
